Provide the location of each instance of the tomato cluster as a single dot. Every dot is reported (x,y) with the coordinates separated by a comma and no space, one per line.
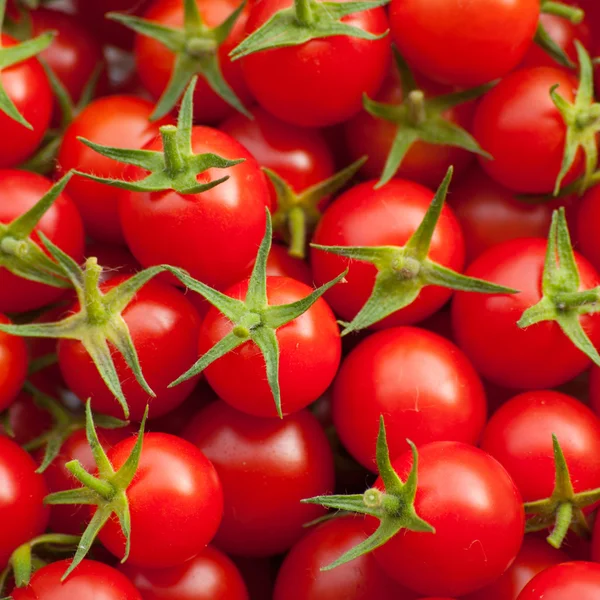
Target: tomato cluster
(298,300)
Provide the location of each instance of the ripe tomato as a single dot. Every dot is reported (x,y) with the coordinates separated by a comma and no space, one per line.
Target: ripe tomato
(158,317)
(309,354)
(540,356)
(191,231)
(320,82)
(175,499)
(388,216)
(61,224)
(154,61)
(464,43)
(25,419)
(90,581)
(266,467)
(13,366)
(300,576)
(475,508)
(520,126)
(22,511)
(588,213)
(281,264)
(423,384)
(210,575)
(579,580)
(120,121)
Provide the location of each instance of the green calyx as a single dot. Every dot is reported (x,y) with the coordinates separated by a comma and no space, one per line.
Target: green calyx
(394,507)
(422,119)
(176,167)
(65,424)
(20,255)
(403,271)
(108,491)
(304,21)
(196,49)
(298,213)
(252,318)
(16,54)
(98,321)
(582,119)
(564,509)
(562,301)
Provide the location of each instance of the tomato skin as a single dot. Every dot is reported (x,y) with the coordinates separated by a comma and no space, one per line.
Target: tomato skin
(519,436)
(321,82)
(423,384)
(490,214)
(119,121)
(61,224)
(22,511)
(154,61)
(176,502)
(25,419)
(364,216)
(207,576)
(588,213)
(281,264)
(266,466)
(13,365)
(91,580)
(538,357)
(519,125)
(27,86)
(310,352)
(579,580)
(477,513)
(300,576)
(463,43)
(535,556)
(194,229)
(158,317)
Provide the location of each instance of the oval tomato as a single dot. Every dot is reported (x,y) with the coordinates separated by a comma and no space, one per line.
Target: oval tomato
(579,580)
(13,365)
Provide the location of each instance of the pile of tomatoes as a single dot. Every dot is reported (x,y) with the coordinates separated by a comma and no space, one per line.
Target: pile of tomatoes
(299,300)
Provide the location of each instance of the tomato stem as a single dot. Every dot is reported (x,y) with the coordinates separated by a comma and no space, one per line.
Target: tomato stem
(297,224)
(416,107)
(571,13)
(173,159)
(304,11)
(564,515)
(102,488)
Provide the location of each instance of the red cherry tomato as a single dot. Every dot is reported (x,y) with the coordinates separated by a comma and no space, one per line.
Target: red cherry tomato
(540,356)
(464,43)
(25,420)
(13,365)
(61,225)
(266,467)
(423,384)
(566,581)
(364,216)
(588,214)
(309,354)
(520,126)
(320,82)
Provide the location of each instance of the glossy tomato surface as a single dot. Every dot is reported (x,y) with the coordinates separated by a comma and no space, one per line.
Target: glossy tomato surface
(13,365)
(588,215)
(579,580)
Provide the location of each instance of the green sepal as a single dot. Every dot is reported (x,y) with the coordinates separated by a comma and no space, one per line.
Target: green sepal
(252,318)
(394,507)
(305,21)
(421,119)
(176,167)
(20,255)
(98,321)
(298,213)
(108,491)
(403,271)
(196,49)
(582,119)
(562,301)
(573,14)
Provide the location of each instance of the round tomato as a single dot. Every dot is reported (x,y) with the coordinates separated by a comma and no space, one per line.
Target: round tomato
(13,366)
(266,467)
(566,581)
(423,384)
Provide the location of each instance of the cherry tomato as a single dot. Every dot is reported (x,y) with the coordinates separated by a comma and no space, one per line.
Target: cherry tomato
(13,366)
(266,467)
(594,390)
(281,264)
(61,225)
(579,580)
(158,317)
(540,356)
(464,43)
(423,384)
(320,82)
(588,213)
(154,61)
(120,121)
(25,420)
(520,126)
(190,231)
(365,216)
(22,511)
(210,575)
(175,499)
